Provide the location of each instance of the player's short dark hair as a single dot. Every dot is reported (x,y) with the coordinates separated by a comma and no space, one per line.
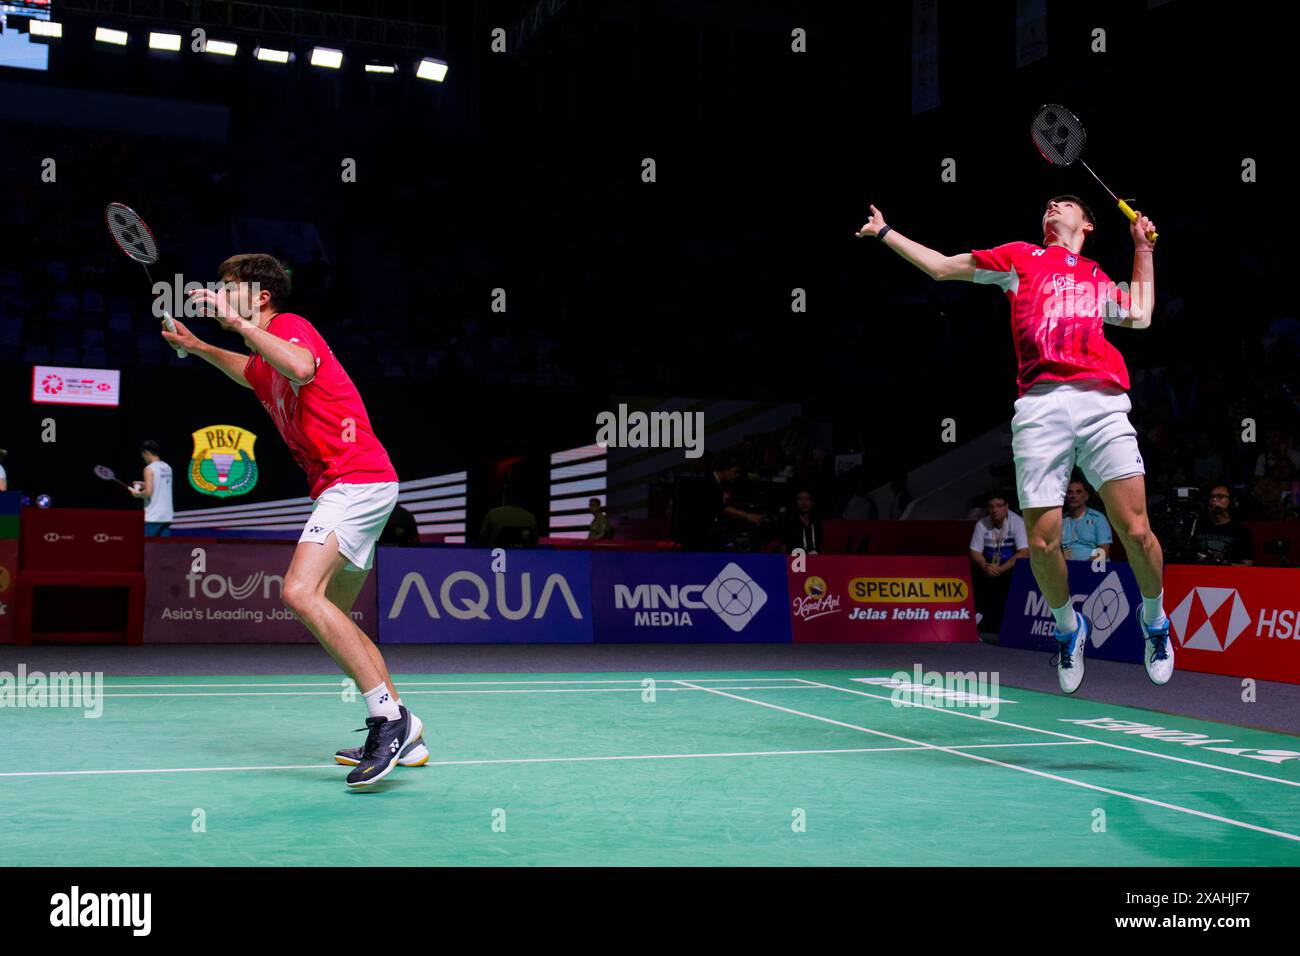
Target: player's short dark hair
(267,271)
(1069,197)
(152,447)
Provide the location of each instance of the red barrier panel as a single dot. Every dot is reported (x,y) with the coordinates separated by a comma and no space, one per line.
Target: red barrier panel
(851,599)
(1239,621)
(81,539)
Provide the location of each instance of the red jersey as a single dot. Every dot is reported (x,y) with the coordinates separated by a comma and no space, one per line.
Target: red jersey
(1059,302)
(323,422)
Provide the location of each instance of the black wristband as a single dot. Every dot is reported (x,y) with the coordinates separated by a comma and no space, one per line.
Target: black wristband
(883,232)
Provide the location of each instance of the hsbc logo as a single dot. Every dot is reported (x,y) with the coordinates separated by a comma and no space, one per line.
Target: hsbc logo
(1210,619)
(101,537)
(54,536)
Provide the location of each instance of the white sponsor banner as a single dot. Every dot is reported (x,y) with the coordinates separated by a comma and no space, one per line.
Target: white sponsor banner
(63,385)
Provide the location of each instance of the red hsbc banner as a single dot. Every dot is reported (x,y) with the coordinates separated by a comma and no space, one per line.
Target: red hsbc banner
(1239,621)
(202,592)
(882,599)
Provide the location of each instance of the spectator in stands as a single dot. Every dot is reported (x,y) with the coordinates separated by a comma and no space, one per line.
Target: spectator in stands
(997,543)
(508,526)
(1208,466)
(802,528)
(1274,493)
(401,529)
(1222,540)
(1084,530)
(702,506)
(4,477)
(600,526)
(1277,445)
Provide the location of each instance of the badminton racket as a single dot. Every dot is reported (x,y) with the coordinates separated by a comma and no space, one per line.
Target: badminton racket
(135,239)
(1060,137)
(103,471)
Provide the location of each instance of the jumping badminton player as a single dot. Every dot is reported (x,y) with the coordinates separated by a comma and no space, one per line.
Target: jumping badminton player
(319,413)
(1073,405)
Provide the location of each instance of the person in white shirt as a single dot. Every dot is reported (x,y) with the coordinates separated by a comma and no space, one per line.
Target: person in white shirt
(997,543)
(4,478)
(156,490)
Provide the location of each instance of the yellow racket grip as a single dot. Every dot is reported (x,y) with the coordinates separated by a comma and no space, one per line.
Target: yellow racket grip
(1127,210)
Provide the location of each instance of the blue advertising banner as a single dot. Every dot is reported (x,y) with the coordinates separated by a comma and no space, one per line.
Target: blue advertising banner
(689,598)
(1109,597)
(453,596)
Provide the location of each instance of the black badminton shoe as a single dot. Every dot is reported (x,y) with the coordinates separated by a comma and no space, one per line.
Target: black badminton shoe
(414,754)
(384,744)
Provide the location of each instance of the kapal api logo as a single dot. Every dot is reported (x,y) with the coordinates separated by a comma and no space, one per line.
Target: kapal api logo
(223,463)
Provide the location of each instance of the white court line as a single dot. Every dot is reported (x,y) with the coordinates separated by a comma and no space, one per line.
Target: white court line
(65,692)
(479,683)
(1010,766)
(513,760)
(1057,733)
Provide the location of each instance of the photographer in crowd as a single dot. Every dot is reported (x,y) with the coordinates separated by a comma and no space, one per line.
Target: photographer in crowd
(1222,540)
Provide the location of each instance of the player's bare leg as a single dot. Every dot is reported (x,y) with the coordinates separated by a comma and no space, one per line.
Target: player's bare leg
(342,591)
(312,568)
(1043,529)
(1126,507)
(1047,560)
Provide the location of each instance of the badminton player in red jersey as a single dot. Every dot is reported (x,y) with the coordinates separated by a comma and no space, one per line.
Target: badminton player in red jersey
(319,413)
(1073,406)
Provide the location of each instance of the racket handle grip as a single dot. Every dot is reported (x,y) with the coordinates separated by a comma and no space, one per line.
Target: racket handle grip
(1127,210)
(170,326)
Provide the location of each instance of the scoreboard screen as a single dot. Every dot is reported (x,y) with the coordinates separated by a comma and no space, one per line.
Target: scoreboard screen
(17,50)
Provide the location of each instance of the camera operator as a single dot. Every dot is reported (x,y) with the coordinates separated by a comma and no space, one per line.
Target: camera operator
(1223,540)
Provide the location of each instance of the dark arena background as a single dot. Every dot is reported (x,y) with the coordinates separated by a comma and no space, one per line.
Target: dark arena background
(709,546)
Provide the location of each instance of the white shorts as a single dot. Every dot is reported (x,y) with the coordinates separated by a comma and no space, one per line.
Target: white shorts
(357,515)
(1060,424)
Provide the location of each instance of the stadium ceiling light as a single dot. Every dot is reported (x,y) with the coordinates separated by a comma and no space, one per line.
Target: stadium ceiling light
(268,55)
(325,57)
(388,68)
(47,28)
(115,37)
(165,41)
(431,69)
(221,47)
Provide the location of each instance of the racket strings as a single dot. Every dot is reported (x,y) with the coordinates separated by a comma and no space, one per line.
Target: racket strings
(1059,135)
(131,234)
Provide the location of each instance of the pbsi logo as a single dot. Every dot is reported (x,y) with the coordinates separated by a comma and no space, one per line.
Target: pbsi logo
(223,463)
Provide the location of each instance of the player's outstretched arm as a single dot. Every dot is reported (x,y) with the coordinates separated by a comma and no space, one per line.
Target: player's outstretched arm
(930,261)
(232,363)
